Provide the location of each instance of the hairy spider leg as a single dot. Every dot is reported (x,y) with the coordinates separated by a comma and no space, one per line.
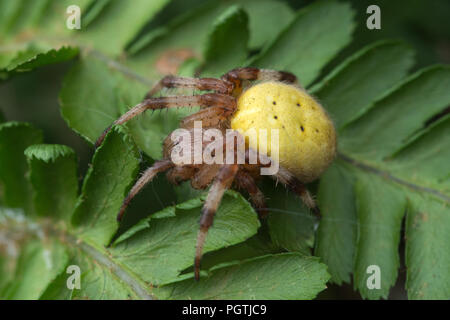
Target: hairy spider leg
(289,180)
(252,74)
(147,176)
(221,183)
(224,85)
(213,117)
(245,181)
(204,100)
(213,84)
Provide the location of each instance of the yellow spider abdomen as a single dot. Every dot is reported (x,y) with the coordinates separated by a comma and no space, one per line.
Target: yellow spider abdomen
(307,138)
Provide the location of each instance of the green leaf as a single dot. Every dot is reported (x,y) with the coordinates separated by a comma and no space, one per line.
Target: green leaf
(38,265)
(99,280)
(267,19)
(256,246)
(34,57)
(347,91)
(336,236)
(161,246)
(17,55)
(30,14)
(234,214)
(114,168)
(315,36)
(9,12)
(95,9)
(427,259)
(259,278)
(291,225)
(163,50)
(53,175)
(387,139)
(15,137)
(292,231)
(380,209)
(385,128)
(219,55)
(118,24)
(424,160)
(87,108)
(417,167)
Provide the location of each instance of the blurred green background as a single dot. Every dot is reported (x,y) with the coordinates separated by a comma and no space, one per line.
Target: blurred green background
(422,24)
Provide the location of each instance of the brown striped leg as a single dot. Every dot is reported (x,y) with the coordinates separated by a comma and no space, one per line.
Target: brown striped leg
(298,188)
(213,84)
(213,117)
(221,183)
(287,178)
(146,177)
(246,182)
(204,100)
(250,73)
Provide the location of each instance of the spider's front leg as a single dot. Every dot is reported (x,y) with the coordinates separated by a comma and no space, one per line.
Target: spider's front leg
(146,177)
(290,181)
(221,183)
(252,74)
(246,182)
(287,178)
(204,100)
(203,84)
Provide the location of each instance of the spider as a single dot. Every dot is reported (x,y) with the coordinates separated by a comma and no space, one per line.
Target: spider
(307,138)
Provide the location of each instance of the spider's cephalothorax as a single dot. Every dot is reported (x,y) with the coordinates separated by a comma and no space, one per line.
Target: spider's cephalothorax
(306,142)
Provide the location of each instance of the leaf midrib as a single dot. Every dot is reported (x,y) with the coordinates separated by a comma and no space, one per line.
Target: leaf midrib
(101,256)
(138,286)
(387,175)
